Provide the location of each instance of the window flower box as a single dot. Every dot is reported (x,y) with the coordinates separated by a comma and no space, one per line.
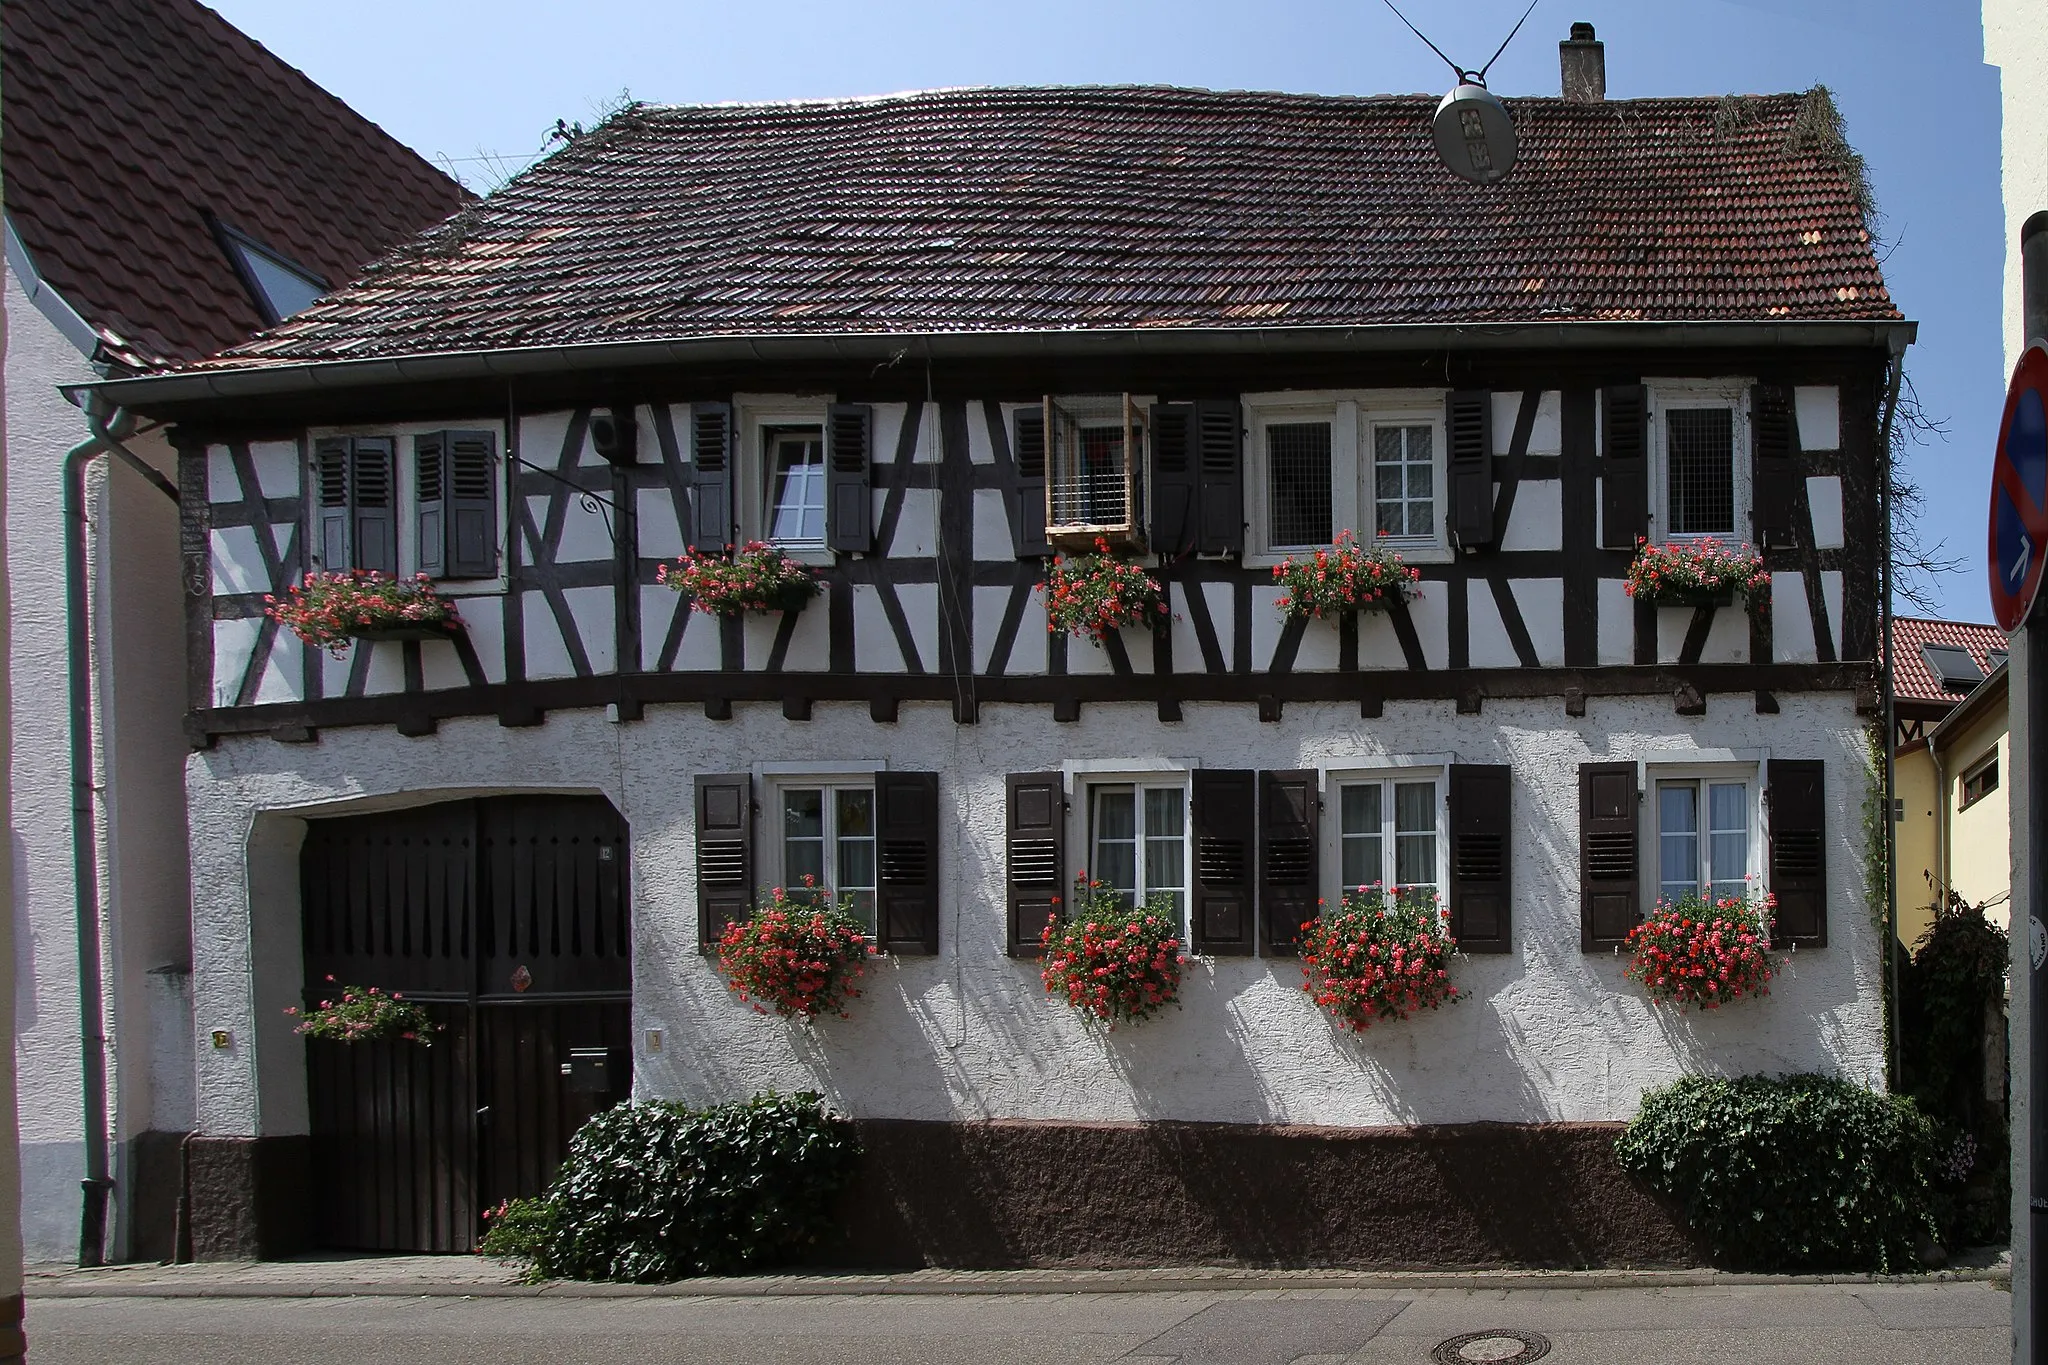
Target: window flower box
(757,578)
(333,610)
(1114,962)
(1344,578)
(1378,955)
(1098,594)
(1698,573)
(1703,953)
(365,1014)
(797,955)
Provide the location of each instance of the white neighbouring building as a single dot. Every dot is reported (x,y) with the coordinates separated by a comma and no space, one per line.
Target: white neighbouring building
(885,334)
(261,188)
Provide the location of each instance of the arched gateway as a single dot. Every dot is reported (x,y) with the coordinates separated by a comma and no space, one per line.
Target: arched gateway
(509,918)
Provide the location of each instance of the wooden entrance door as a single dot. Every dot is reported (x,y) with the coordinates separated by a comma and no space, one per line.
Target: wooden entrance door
(509,919)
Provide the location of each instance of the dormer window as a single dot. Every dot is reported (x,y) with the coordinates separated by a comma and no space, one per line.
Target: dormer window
(278,286)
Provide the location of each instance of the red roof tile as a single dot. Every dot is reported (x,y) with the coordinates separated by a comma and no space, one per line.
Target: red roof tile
(1912,679)
(1033,209)
(129,121)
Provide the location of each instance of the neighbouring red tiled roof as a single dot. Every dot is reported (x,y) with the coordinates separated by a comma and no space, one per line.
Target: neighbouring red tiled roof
(128,121)
(992,210)
(1912,680)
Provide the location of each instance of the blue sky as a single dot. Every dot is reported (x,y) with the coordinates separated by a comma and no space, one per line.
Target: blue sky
(476,84)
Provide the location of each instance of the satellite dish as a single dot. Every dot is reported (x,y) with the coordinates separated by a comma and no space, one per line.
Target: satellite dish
(1474,135)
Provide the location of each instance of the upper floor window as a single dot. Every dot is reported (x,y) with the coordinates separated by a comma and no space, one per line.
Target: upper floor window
(1372,463)
(1979,782)
(278,287)
(1095,469)
(425,504)
(795,460)
(1701,472)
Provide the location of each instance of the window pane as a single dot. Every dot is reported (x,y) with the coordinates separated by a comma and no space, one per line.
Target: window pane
(803,839)
(803,814)
(1102,474)
(1415,807)
(1414,833)
(1359,827)
(797,496)
(1298,482)
(1700,470)
(1165,843)
(1116,848)
(1678,845)
(1404,480)
(1728,829)
(855,812)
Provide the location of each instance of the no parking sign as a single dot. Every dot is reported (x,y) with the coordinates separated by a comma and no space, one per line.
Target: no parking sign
(2019,493)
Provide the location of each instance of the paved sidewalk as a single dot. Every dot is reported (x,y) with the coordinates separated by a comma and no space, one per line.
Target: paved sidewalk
(328,1276)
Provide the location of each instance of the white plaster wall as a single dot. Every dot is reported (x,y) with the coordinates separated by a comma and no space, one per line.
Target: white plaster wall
(2012,43)
(1544,1032)
(139,692)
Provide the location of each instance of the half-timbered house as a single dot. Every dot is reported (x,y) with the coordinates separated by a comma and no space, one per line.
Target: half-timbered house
(919,341)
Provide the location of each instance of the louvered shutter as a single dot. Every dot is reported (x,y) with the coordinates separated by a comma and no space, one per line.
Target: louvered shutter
(330,493)
(1219,456)
(849,506)
(472,504)
(710,476)
(725,854)
(1482,823)
(1027,448)
(907,862)
(1624,466)
(1796,800)
(1773,437)
(430,508)
(1034,832)
(1226,821)
(373,504)
(1609,880)
(1468,420)
(1288,809)
(1174,495)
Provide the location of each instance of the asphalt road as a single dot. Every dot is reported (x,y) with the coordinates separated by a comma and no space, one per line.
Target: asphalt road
(1811,1324)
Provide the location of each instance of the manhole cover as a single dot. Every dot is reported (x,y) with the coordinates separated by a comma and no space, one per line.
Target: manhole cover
(1501,1346)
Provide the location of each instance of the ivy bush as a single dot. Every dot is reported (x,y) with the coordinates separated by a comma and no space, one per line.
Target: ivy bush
(653,1191)
(1793,1173)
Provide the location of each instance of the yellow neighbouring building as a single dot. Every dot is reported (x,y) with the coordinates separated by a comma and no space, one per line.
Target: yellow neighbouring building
(1951,769)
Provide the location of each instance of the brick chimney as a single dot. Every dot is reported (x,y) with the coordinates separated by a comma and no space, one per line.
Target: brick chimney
(1583,61)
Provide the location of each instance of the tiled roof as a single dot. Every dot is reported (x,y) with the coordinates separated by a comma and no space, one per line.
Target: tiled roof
(1032,209)
(129,121)
(1912,680)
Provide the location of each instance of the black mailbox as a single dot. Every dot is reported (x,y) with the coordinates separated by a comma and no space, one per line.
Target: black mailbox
(588,1070)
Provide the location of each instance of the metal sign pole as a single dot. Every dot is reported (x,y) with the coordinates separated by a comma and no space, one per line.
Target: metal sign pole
(2028,939)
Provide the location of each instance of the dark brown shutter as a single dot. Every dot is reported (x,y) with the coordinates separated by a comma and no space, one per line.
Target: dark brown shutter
(472,504)
(1174,491)
(1796,802)
(373,497)
(430,511)
(710,476)
(1034,832)
(1226,821)
(330,501)
(1610,896)
(1289,806)
(1773,441)
(1027,448)
(1219,459)
(725,854)
(907,862)
(1482,826)
(1624,466)
(1468,420)
(849,506)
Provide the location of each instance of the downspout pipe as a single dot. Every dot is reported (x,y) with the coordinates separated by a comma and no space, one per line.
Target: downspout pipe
(1889,794)
(109,427)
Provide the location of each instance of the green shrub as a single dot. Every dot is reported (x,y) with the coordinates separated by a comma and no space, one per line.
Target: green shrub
(653,1191)
(1791,1173)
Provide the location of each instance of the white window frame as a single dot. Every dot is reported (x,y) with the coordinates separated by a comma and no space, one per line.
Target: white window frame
(1087,784)
(754,417)
(406,506)
(1334,782)
(774,863)
(1352,415)
(1676,395)
(1748,773)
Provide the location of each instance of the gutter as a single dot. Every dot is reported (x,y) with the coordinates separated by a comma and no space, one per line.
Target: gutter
(109,429)
(47,300)
(255,380)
